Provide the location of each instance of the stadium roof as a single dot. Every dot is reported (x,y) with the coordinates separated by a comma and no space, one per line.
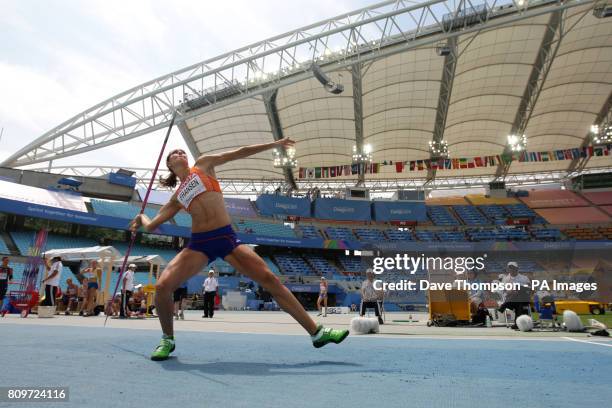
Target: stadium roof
(542,68)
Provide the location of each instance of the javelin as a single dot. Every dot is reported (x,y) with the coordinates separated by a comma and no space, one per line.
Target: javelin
(142,208)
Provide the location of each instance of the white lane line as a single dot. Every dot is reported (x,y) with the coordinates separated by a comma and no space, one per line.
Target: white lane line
(586,341)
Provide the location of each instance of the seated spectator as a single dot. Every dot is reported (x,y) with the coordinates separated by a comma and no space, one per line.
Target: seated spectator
(370,297)
(70,298)
(516,300)
(82,295)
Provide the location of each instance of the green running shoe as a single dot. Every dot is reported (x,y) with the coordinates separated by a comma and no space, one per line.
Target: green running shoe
(326,335)
(163,350)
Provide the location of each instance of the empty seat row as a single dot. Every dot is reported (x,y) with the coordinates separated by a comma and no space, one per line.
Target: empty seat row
(290,264)
(470,215)
(265,228)
(322,265)
(340,233)
(440,215)
(24,239)
(370,235)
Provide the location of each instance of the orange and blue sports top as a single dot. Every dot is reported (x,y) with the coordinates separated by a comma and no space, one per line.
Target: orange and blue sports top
(195,184)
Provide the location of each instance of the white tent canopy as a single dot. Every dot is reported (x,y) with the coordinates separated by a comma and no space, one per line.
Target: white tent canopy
(143,260)
(85,254)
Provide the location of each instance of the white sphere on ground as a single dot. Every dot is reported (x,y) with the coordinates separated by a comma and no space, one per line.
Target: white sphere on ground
(572,322)
(524,323)
(364,325)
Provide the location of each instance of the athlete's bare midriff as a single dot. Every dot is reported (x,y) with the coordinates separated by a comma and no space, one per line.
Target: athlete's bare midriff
(208,210)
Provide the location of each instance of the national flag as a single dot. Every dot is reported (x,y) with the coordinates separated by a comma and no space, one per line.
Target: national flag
(317,172)
(399,167)
(560,154)
(589,151)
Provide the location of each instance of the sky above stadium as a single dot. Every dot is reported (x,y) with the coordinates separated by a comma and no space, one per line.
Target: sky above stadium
(60,57)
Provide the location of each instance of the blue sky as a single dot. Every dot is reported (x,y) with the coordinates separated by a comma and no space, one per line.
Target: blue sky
(60,57)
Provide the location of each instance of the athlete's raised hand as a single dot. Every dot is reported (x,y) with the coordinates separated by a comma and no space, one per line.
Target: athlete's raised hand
(285,142)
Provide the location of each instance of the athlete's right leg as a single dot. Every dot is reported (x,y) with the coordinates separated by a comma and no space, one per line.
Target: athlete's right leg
(185,265)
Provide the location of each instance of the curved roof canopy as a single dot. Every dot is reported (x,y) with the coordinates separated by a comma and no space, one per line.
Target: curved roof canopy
(542,68)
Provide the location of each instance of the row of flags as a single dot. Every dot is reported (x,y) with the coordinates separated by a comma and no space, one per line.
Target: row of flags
(455,164)
(338,171)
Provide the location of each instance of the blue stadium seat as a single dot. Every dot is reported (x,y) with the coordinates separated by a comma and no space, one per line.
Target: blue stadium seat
(446,236)
(351,264)
(425,235)
(520,211)
(397,235)
(369,235)
(470,215)
(322,265)
(3,248)
(23,239)
(309,231)
(340,233)
(121,209)
(439,215)
(290,264)
(497,214)
(265,228)
(546,234)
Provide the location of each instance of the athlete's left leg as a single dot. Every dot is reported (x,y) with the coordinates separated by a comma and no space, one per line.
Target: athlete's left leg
(248,263)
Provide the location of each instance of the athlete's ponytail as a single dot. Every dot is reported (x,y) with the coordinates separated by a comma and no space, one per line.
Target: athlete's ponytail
(171,179)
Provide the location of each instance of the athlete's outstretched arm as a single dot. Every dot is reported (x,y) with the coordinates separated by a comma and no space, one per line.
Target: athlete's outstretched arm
(241,153)
(169,210)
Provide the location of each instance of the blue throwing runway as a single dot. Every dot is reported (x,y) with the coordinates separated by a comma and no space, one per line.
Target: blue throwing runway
(110,367)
